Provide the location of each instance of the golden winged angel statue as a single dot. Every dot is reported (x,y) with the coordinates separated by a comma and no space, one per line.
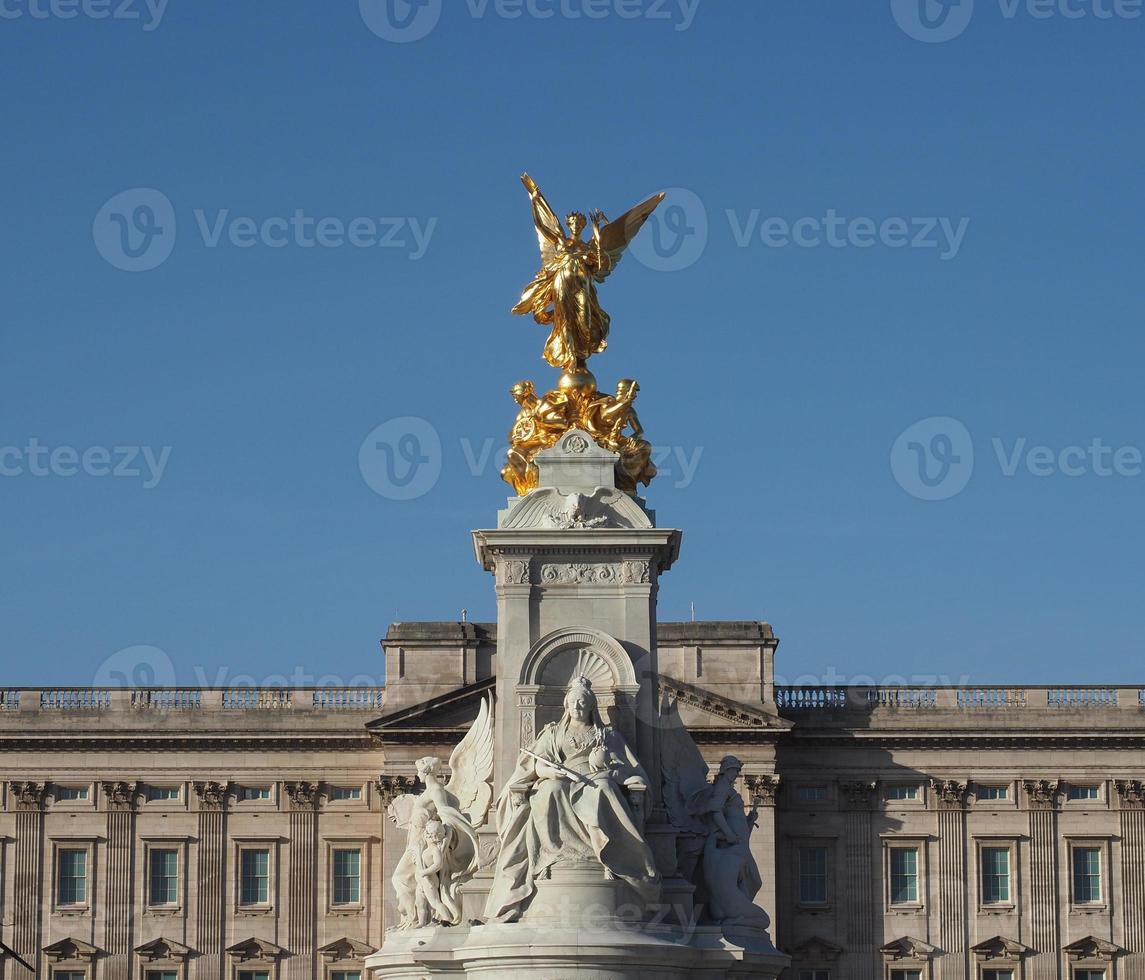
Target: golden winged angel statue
(563,296)
(563,292)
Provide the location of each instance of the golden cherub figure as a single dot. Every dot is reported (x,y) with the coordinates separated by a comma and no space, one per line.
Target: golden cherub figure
(563,295)
(563,292)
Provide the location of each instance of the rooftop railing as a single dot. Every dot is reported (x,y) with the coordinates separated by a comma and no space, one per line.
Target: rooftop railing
(103,699)
(1002,698)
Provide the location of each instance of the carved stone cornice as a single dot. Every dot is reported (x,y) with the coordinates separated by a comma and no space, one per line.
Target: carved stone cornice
(391,787)
(27,795)
(739,714)
(950,794)
(303,795)
(120,795)
(1131,793)
(762,787)
(1043,794)
(862,794)
(212,795)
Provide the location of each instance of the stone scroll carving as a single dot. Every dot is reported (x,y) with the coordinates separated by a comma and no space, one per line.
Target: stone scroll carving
(441,845)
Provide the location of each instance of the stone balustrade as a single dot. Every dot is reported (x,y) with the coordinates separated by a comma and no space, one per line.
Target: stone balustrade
(192,699)
(805,698)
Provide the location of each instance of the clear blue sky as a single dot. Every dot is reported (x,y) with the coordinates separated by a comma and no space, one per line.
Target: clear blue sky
(262,549)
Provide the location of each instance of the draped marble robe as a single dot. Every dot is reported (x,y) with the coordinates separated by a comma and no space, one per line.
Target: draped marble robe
(562,820)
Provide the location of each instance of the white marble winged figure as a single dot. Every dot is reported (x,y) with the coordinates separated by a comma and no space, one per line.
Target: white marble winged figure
(715,851)
(451,813)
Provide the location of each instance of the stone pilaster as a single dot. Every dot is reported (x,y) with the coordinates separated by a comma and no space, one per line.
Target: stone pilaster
(1131,794)
(302,897)
(28,802)
(1042,800)
(390,787)
(762,794)
(210,869)
(950,796)
(119,799)
(862,880)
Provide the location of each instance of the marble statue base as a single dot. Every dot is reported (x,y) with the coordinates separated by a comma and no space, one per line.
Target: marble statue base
(520,951)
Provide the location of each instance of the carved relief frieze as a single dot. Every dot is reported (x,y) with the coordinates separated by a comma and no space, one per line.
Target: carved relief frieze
(580,573)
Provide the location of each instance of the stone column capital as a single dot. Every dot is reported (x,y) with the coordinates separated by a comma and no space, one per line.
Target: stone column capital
(861,794)
(303,795)
(391,787)
(950,794)
(1043,794)
(1131,792)
(212,795)
(27,795)
(120,795)
(762,787)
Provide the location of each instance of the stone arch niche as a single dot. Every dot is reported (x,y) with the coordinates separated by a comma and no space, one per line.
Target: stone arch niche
(554,660)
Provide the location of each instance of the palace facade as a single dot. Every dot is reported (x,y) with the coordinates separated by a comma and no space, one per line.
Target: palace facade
(903,833)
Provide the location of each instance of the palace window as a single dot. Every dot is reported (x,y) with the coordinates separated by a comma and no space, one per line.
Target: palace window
(811,794)
(71,876)
(993,793)
(254,881)
(254,974)
(71,793)
(1087,875)
(1084,792)
(997,975)
(67,975)
(155,793)
(812,876)
(346,975)
(904,875)
(814,975)
(162,975)
(164,876)
(906,974)
(346,793)
(254,793)
(1088,975)
(347,865)
(995,875)
(902,792)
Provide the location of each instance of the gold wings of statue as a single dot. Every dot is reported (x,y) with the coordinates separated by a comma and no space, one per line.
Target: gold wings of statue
(563,292)
(562,295)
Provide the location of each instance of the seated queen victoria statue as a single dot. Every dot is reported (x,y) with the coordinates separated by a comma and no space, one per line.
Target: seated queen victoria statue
(566,805)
